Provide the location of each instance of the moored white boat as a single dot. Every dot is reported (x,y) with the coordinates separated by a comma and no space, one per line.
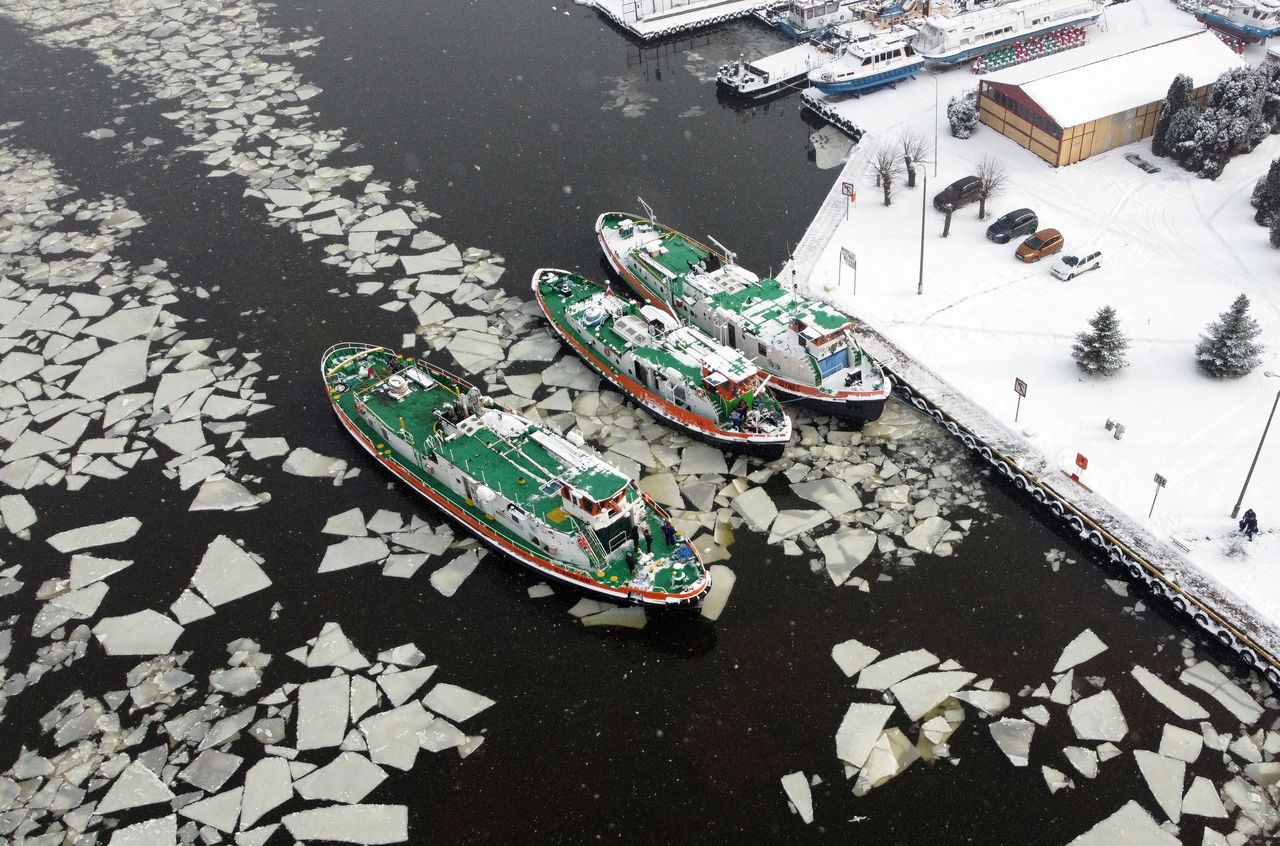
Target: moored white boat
(1249,20)
(543,499)
(673,370)
(963,35)
(869,62)
(809,347)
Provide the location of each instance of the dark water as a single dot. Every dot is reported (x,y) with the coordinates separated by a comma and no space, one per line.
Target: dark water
(677,733)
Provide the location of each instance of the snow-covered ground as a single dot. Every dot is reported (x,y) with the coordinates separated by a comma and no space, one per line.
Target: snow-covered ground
(1177,250)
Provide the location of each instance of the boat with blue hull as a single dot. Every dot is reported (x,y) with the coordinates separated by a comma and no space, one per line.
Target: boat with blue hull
(870,62)
(951,39)
(1251,21)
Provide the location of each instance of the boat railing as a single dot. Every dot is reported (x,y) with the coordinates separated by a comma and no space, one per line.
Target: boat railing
(594,548)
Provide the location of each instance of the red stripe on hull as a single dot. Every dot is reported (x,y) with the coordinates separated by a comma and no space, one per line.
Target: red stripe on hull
(542,565)
(668,410)
(798,389)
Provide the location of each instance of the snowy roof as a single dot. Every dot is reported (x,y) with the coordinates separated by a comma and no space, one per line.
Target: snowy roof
(1121,73)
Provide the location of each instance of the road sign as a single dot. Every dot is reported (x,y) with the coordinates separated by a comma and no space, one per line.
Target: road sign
(847,189)
(1081,461)
(1160,481)
(850,258)
(1019,386)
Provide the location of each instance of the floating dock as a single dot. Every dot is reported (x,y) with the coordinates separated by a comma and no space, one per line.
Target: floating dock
(650,19)
(768,75)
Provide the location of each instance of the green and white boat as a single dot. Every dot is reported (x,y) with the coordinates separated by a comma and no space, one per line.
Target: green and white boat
(673,370)
(807,346)
(541,498)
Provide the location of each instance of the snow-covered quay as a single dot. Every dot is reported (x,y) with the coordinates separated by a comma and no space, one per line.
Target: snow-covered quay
(1177,250)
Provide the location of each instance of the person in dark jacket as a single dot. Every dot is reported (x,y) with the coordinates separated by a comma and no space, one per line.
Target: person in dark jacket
(1249,524)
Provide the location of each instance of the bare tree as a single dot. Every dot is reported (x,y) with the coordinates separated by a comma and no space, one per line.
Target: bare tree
(886,166)
(914,150)
(992,179)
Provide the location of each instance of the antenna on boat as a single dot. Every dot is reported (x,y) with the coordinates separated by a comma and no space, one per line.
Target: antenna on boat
(729,254)
(648,209)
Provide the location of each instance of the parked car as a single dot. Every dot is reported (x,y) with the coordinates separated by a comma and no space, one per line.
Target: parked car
(958,193)
(1067,268)
(1013,225)
(1046,242)
(1138,160)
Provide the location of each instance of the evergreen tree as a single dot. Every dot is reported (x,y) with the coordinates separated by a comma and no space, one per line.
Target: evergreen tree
(1228,347)
(1274,233)
(1266,195)
(1208,149)
(962,112)
(1178,98)
(1270,74)
(1241,92)
(1102,349)
(1181,128)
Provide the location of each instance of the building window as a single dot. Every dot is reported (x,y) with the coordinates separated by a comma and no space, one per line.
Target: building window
(1032,117)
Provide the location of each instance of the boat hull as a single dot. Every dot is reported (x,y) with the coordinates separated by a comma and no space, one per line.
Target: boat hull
(1245,32)
(732,88)
(768,447)
(961,56)
(849,407)
(867,83)
(477,527)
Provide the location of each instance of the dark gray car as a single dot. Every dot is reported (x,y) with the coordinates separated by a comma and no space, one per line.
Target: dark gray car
(1013,225)
(958,193)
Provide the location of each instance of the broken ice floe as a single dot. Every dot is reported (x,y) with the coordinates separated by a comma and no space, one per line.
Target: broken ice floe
(142,633)
(1085,646)
(1130,825)
(171,752)
(1211,680)
(1013,736)
(796,786)
(1098,717)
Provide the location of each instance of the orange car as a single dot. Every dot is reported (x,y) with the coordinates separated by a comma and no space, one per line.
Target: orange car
(1046,242)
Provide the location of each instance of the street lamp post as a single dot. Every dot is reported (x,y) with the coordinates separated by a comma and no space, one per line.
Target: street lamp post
(924,193)
(1261,441)
(935,122)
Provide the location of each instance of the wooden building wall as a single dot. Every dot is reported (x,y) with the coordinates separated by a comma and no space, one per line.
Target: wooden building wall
(1074,143)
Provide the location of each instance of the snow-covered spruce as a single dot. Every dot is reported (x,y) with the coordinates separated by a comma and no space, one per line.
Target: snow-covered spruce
(1266,195)
(1228,347)
(962,112)
(1237,116)
(1101,350)
(1178,98)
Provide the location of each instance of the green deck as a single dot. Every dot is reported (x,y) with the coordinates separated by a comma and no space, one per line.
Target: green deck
(505,470)
(582,290)
(682,254)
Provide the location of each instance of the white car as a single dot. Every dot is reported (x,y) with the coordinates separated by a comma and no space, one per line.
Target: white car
(1067,268)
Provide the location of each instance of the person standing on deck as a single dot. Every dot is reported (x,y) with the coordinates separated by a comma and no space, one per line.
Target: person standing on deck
(648,538)
(668,532)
